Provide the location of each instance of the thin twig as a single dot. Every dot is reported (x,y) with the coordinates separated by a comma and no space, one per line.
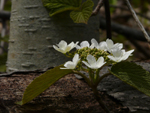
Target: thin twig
(126,9)
(137,20)
(97,8)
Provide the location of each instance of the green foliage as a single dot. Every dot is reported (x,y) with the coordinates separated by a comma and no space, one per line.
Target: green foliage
(82,15)
(81,12)
(133,74)
(58,6)
(43,82)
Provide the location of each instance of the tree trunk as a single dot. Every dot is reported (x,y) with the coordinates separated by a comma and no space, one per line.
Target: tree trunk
(33,32)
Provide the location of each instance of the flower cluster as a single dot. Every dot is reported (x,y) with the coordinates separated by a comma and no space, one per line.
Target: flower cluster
(94,56)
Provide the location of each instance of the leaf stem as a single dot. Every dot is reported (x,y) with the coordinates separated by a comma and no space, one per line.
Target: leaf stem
(97,75)
(82,75)
(99,99)
(91,75)
(103,76)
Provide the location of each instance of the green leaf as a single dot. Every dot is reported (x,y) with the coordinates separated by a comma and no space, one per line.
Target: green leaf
(43,82)
(83,15)
(133,74)
(58,6)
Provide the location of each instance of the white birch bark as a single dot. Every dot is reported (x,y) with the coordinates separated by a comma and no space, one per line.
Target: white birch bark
(33,32)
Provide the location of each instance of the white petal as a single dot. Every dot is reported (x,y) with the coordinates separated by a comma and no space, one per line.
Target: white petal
(131,51)
(66,64)
(93,67)
(110,43)
(58,49)
(92,46)
(63,47)
(69,65)
(118,46)
(94,42)
(71,44)
(67,49)
(76,58)
(112,58)
(55,47)
(76,44)
(84,44)
(100,62)
(91,59)
(102,46)
(119,59)
(117,52)
(86,64)
(62,44)
(78,47)
(123,51)
(63,68)
(127,54)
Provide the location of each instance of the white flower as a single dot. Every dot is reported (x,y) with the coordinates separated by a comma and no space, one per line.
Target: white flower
(106,46)
(101,45)
(111,45)
(119,55)
(63,47)
(92,63)
(84,44)
(72,64)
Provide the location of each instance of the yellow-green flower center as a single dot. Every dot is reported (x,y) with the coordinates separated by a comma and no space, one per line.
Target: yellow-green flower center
(84,52)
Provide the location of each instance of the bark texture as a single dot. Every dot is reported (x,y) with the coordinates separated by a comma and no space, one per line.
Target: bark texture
(33,32)
(67,95)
